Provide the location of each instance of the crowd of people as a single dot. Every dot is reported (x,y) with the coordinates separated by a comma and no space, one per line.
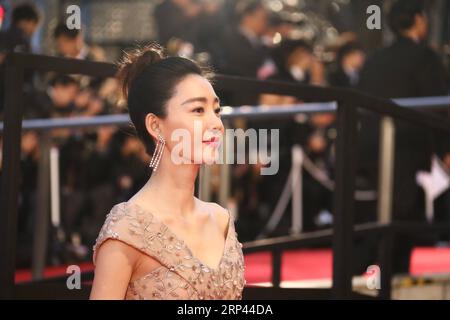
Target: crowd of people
(103,166)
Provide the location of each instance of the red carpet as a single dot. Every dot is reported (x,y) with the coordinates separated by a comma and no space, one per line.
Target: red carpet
(50,272)
(430,260)
(317,264)
(297,265)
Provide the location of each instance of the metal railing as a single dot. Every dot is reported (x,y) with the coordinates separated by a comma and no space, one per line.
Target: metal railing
(345,102)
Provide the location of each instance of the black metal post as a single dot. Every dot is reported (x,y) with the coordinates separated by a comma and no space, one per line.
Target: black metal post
(10,175)
(386,265)
(344,201)
(276,268)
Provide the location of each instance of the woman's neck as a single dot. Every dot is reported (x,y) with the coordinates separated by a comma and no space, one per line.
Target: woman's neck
(170,189)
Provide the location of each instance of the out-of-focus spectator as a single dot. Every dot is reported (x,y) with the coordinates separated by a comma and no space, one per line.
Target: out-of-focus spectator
(406,68)
(130,165)
(29,156)
(17,38)
(100,187)
(187,26)
(350,60)
(243,49)
(317,136)
(89,103)
(177,19)
(295,62)
(70,44)
(56,101)
(25,20)
(62,92)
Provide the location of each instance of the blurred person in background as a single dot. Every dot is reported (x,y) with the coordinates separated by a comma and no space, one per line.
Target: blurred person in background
(177,19)
(406,68)
(293,60)
(24,23)
(245,54)
(350,59)
(85,156)
(29,157)
(243,49)
(25,20)
(130,162)
(314,133)
(100,182)
(187,26)
(58,101)
(70,44)
(54,102)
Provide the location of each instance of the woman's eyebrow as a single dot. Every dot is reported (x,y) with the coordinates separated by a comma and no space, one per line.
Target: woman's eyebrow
(200,99)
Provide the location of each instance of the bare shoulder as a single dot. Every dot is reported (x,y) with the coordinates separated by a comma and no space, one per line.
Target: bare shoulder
(218,212)
(116,250)
(114,266)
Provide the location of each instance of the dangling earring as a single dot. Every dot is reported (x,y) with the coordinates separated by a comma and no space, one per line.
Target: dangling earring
(156,158)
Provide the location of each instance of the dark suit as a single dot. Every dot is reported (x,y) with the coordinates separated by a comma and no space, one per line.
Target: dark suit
(240,57)
(13,40)
(404,69)
(339,78)
(171,21)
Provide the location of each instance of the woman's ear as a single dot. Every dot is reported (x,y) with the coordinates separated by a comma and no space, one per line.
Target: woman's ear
(152,124)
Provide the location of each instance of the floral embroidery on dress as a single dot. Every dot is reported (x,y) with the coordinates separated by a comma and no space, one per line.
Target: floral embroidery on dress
(181,275)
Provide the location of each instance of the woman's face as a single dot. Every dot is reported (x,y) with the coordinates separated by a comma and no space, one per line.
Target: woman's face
(193,129)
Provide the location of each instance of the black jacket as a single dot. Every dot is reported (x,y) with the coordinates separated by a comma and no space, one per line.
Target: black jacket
(404,69)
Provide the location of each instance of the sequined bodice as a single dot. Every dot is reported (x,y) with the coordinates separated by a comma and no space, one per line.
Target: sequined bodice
(180,274)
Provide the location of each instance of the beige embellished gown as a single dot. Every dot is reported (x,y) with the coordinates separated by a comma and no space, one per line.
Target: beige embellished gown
(180,274)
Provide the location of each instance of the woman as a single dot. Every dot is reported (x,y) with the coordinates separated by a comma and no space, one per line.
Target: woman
(164,243)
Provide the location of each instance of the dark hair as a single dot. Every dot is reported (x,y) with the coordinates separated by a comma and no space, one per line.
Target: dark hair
(148,80)
(246,7)
(63,80)
(402,14)
(291,45)
(24,12)
(346,49)
(62,30)
(282,52)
